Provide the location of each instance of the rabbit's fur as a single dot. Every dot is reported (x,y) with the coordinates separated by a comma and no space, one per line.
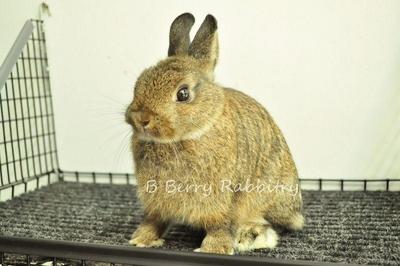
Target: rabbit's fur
(220,136)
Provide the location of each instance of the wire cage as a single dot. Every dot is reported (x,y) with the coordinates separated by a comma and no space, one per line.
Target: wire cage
(34,191)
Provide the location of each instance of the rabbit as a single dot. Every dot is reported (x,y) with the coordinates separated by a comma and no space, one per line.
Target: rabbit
(189,132)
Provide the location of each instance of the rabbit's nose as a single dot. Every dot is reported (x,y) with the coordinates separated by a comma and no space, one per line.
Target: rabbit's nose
(142,119)
(145,118)
(145,122)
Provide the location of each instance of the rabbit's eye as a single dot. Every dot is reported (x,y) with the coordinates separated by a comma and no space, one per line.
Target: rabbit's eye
(183,94)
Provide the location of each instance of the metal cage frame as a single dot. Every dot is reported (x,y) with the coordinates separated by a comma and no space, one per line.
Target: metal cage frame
(29,160)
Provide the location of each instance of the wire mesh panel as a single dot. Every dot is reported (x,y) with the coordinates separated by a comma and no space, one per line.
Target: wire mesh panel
(28,153)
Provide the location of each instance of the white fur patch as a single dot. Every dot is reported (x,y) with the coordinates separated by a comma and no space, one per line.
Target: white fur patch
(267,240)
(197,133)
(154,139)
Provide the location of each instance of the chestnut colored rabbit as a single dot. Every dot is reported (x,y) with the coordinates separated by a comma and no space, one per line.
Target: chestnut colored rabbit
(210,141)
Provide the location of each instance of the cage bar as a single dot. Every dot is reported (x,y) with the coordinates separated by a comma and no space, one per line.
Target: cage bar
(27,135)
(132,255)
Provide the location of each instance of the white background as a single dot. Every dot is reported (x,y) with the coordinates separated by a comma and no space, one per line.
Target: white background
(327,71)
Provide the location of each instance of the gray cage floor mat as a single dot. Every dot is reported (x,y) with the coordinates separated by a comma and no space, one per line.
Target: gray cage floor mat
(348,227)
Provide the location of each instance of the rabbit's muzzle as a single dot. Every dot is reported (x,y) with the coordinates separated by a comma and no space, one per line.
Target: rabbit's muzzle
(149,125)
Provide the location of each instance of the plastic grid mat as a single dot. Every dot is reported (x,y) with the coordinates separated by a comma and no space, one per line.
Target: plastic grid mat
(350,227)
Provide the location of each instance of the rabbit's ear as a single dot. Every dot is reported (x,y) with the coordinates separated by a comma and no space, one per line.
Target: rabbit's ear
(205,43)
(179,38)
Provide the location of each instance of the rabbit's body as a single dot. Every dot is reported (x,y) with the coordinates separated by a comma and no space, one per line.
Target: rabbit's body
(243,145)
(225,143)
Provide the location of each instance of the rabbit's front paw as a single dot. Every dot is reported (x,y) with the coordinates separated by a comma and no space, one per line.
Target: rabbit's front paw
(144,241)
(149,233)
(216,244)
(146,236)
(216,249)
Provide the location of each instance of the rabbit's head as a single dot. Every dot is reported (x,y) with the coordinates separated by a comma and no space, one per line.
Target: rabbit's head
(177,98)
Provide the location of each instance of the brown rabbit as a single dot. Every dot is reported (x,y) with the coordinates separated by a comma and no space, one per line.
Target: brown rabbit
(200,151)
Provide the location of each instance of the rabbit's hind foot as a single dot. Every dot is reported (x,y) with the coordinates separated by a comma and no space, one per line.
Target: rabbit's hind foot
(252,236)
